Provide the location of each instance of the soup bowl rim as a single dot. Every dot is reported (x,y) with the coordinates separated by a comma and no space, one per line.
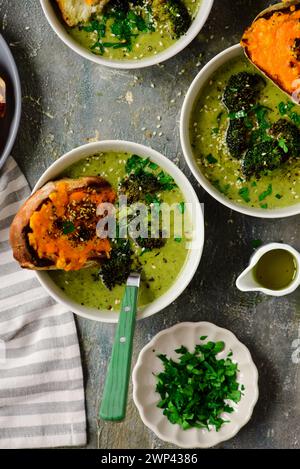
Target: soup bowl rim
(195,28)
(190,101)
(193,257)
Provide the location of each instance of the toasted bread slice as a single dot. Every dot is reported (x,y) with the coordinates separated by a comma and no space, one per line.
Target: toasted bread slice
(75,12)
(56,227)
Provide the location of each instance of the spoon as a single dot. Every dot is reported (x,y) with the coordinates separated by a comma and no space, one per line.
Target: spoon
(114,400)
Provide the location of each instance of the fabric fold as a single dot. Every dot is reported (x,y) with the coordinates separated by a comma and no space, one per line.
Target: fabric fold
(41,383)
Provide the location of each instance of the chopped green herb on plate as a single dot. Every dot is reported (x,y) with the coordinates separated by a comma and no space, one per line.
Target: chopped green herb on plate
(197,389)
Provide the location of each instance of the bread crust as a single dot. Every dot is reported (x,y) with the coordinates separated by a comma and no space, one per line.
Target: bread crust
(75,12)
(22,251)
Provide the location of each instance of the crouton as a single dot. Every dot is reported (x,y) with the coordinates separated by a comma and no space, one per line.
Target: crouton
(75,12)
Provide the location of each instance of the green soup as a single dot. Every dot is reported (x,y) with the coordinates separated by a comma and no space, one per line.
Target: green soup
(272,189)
(160,267)
(143,39)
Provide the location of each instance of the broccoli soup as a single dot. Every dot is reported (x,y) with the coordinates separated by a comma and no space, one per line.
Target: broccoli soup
(159,259)
(132,30)
(245,135)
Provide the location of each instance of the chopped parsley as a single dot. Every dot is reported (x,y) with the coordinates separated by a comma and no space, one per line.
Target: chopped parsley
(153,166)
(286,109)
(211,159)
(181,207)
(125,26)
(266,193)
(166,181)
(223,189)
(237,115)
(68,227)
(244,193)
(195,390)
(283,145)
(135,163)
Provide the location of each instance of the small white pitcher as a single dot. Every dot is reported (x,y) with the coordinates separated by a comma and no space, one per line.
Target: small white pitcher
(246,281)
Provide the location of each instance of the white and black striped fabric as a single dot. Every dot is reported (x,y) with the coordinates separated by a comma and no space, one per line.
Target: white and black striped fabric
(41,383)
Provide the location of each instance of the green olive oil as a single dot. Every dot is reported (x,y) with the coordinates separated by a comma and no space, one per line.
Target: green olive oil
(276,269)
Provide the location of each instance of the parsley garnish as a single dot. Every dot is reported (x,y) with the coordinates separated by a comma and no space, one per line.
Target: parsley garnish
(181,207)
(211,159)
(223,189)
(68,227)
(244,193)
(194,390)
(237,115)
(125,26)
(153,166)
(286,109)
(266,193)
(166,181)
(135,163)
(283,145)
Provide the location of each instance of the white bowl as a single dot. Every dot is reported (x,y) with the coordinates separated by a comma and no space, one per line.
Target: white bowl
(196,26)
(10,123)
(193,257)
(186,115)
(144,383)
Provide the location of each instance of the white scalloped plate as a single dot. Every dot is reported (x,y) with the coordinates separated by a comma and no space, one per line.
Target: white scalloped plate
(144,383)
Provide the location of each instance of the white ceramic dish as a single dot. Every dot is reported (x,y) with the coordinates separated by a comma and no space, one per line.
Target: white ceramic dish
(179,45)
(185,186)
(187,109)
(144,383)
(10,123)
(246,281)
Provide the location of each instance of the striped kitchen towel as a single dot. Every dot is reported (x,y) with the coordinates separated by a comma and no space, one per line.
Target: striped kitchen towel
(41,384)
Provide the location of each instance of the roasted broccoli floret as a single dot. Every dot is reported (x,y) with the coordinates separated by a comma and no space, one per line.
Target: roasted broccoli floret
(118,5)
(283,143)
(137,185)
(262,157)
(115,270)
(242,91)
(237,138)
(122,6)
(287,135)
(151,243)
(173,12)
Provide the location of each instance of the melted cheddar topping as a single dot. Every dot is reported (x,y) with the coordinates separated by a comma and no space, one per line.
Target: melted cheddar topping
(63,230)
(273,45)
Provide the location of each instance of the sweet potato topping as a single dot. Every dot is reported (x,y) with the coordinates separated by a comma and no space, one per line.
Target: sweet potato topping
(272,43)
(2,98)
(63,230)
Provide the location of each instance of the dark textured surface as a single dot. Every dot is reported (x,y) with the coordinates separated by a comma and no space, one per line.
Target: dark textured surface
(68,101)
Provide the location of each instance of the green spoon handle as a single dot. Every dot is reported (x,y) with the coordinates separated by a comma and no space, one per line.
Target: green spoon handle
(113,405)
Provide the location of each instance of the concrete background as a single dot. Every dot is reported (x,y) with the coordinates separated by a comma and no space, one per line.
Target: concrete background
(68,101)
